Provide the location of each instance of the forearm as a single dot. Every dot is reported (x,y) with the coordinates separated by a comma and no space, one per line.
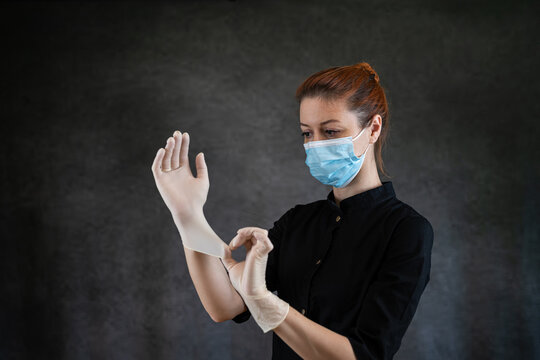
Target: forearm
(311,340)
(213,286)
(207,272)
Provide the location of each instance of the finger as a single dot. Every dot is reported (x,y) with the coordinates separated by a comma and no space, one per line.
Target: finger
(261,244)
(200,164)
(250,228)
(184,161)
(264,241)
(166,164)
(236,242)
(232,243)
(228,260)
(158,160)
(175,158)
(240,239)
(262,247)
(247,234)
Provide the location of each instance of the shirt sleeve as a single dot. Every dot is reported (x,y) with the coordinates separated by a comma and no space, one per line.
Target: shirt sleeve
(275,235)
(393,296)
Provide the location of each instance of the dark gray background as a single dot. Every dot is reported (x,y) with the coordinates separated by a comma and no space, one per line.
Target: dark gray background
(92,265)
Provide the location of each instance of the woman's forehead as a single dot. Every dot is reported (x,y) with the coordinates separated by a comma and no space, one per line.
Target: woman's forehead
(315,112)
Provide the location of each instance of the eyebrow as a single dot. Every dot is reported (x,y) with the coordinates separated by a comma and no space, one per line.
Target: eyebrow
(324,122)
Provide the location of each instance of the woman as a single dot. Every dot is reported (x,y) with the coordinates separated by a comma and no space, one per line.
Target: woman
(349,270)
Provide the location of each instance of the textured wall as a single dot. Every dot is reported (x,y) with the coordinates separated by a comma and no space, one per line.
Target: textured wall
(91,263)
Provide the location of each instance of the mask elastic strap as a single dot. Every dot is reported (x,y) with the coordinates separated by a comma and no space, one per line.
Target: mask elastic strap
(367,147)
(356,137)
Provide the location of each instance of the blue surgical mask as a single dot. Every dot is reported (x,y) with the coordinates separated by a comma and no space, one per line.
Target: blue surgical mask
(333,162)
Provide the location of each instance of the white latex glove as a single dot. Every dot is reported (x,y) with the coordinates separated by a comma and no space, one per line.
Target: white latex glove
(185,195)
(248,278)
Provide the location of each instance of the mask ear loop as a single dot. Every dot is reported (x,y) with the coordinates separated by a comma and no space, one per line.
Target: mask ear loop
(356,137)
(367,147)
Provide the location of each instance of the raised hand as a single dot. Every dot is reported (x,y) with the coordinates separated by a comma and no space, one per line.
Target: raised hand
(184,194)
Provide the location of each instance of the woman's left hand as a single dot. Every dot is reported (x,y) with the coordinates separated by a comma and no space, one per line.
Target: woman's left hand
(248,277)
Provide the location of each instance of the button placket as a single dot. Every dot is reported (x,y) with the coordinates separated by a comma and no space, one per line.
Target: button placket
(318,262)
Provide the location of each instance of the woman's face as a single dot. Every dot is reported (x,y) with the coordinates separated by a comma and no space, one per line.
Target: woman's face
(323,120)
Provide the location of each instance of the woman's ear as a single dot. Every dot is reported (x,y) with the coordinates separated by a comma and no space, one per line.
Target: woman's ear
(376,128)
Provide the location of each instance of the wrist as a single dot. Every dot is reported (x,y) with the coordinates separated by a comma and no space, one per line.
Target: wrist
(197,235)
(267,309)
(262,291)
(182,219)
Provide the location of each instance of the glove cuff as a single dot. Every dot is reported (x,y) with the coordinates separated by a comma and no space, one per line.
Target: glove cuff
(197,235)
(267,310)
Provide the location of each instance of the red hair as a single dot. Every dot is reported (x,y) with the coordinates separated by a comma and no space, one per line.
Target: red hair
(359,85)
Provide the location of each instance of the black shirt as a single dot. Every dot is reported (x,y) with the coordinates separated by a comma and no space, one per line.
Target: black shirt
(358,269)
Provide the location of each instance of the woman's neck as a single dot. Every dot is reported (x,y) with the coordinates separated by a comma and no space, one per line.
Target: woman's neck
(362,182)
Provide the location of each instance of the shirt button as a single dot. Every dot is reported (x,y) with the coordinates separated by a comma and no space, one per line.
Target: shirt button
(338,218)
(303,311)
(318,262)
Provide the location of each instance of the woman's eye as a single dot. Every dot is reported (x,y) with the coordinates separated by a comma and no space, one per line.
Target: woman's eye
(329,132)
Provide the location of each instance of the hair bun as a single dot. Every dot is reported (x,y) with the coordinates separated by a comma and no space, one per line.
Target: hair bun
(364,66)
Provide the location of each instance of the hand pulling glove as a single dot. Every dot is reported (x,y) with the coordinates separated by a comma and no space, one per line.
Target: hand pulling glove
(248,278)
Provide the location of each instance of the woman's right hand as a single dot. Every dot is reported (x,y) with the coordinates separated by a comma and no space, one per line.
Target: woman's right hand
(183,193)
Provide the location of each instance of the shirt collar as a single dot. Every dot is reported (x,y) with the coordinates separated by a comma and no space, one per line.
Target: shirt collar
(363,200)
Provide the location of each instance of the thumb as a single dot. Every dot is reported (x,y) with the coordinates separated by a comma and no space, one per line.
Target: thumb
(200,164)
(228,260)
(157,161)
